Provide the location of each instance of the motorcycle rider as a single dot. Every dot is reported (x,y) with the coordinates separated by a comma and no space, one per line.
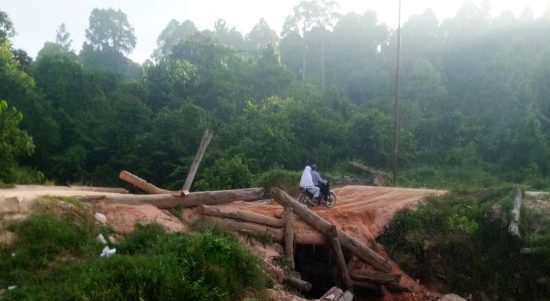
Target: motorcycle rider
(318,182)
(306,182)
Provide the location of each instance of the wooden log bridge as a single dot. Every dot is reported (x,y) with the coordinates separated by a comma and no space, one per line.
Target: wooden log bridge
(356,247)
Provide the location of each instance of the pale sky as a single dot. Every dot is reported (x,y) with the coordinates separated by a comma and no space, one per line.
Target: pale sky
(36,21)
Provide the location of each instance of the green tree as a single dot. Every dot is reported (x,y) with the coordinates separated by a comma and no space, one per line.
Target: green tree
(15,141)
(261,36)
(109,29)
(172,34)
(63,38)
(7,30)
(310,14)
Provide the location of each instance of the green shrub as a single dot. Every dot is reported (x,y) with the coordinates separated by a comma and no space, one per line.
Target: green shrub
(150,264)
(288,180)
(454,241)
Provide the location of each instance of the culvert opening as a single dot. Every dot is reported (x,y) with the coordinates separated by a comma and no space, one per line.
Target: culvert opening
(317,265)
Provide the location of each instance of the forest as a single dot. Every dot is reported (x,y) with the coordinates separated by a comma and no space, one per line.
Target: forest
(475,107)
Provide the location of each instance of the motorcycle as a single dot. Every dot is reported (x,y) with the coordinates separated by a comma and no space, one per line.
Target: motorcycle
(328,198)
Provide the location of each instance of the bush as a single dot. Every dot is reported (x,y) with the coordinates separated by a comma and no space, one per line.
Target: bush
(455,240)
(53,261)
(288,180)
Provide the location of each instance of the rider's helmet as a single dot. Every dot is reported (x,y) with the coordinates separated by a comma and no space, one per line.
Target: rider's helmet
(314,167)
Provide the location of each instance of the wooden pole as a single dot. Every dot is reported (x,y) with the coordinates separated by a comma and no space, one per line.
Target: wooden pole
(396,105)
(167,201)
(514,225)
(289,237)
(350,243)
(340,260)
(206,138)
(240,215)
(140,183)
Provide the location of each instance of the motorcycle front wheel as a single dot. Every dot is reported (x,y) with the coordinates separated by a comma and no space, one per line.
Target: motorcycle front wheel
(331,200)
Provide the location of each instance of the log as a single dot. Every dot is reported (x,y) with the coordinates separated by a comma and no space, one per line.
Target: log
(352,263)
(206,138)
(399,288)
(364,167)
(332,294)
(254,230)
(141,183)
(240,215)
(365,285)
(100,189)
(167,201)
(289,237)
(347,296)
(350,243)
(276,234)
(514,224)
(340,260)
(298,283)
(377,277)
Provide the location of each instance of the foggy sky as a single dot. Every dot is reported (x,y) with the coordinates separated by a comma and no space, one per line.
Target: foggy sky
(36,21)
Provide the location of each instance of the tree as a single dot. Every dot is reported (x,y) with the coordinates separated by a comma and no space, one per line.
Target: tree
(310,14)
(172,34)
(15,141)
(261,36)
(229,36)
(7,30)
(63,38)
(109,29)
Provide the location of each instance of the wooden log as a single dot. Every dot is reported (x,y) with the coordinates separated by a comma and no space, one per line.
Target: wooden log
(350,243)
(298,283)
(352,263)
(377,277)
(347,296)
(514,224)
(364,167)
(206,138)
(141,183)
(399,288)
(340,260)
(100,189)
(167,201)
(289,237)
(275,234)
(332,294)
(254,230)
(240,215)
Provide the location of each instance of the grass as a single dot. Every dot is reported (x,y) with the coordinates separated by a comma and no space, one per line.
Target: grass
(460,242)
(56,258)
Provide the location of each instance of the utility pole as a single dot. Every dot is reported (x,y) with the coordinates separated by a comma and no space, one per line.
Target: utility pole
(396,107)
